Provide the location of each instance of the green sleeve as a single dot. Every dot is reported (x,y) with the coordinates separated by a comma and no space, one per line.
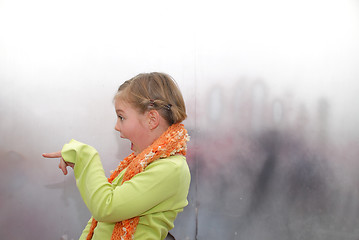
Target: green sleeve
(111,203)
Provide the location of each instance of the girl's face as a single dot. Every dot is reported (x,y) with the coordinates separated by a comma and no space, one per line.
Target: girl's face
(132,125)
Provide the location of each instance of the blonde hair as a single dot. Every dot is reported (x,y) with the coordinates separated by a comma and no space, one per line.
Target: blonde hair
(154,90)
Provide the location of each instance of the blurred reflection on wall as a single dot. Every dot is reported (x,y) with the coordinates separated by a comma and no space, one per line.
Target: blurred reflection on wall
(271,91)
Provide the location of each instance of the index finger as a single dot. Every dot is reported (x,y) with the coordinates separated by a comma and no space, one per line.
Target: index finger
(52,155)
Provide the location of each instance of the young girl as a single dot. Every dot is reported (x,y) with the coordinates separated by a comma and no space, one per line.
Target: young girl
(143,196)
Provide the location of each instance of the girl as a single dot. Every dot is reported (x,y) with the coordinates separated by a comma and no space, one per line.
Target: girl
(143,196)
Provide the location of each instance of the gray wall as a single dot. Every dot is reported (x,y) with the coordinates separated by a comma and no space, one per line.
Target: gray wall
(271,89)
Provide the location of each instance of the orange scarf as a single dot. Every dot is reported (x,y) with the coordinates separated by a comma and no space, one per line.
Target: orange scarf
(173,141)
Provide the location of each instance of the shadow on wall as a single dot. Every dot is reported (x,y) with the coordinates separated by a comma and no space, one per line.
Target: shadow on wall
(264,167)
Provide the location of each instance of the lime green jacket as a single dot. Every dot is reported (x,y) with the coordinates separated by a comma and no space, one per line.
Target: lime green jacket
(156,195)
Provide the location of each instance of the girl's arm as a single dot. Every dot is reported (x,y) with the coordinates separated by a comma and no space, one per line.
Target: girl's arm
(141,195)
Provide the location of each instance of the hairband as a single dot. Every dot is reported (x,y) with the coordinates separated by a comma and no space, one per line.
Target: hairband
(152,102)
(167,107)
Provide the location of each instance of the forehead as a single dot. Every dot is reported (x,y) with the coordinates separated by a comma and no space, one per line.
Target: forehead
(121,105)
(124,107)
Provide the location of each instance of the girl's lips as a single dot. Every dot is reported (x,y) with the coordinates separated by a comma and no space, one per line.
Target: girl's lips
(132,146)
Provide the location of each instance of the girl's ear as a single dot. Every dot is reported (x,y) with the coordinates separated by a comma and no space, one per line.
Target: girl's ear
(153,118)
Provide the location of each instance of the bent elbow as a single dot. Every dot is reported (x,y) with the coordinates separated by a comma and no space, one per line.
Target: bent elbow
(106,215)
(105,211)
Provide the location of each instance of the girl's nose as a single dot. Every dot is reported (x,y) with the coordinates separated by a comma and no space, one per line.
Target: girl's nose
(117,127)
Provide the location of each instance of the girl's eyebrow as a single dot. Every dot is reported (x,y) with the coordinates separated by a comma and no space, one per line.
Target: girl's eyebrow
(119,110)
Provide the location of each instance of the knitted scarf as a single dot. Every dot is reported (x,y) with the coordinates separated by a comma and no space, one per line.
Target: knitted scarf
(173,141)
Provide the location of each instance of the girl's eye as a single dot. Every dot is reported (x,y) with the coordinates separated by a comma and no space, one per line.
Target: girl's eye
(120,117)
